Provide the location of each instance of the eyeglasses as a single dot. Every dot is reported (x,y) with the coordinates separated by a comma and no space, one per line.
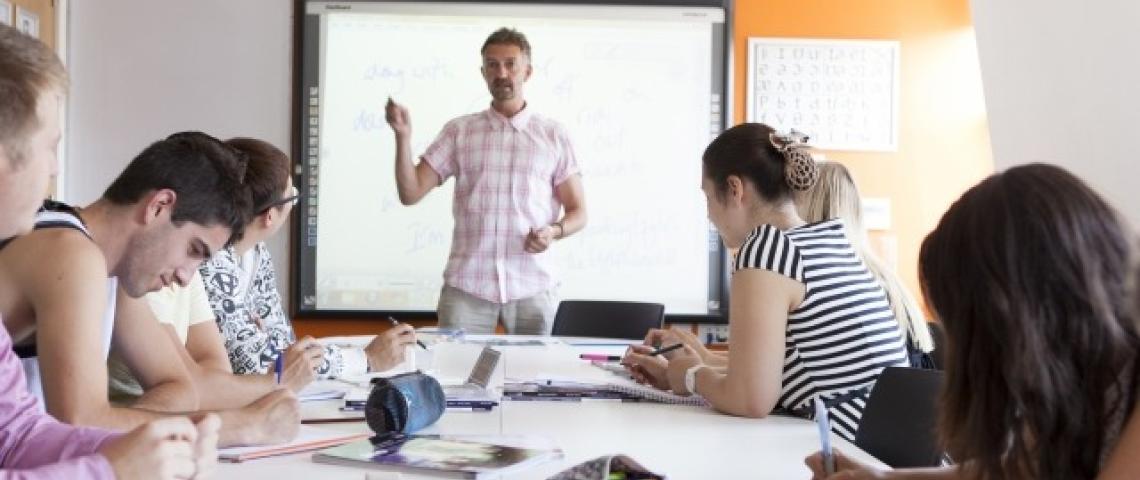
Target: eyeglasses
(291,199)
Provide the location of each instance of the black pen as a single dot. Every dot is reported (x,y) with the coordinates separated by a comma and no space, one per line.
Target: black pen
(418,342)
(668,349)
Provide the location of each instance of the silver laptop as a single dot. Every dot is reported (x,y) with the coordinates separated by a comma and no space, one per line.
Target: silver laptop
(476,386)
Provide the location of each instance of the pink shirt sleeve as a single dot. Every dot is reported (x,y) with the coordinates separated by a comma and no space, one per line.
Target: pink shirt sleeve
(33,445)
(440,155)
(567,161)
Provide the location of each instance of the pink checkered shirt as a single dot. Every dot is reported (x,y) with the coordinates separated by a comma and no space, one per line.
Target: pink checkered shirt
(506,171)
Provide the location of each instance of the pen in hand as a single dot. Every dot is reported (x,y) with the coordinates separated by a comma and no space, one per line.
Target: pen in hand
(824,425)
(668,349)
(418,342)
(279,363)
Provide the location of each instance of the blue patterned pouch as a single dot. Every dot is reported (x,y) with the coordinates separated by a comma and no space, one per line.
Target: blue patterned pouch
(404,403)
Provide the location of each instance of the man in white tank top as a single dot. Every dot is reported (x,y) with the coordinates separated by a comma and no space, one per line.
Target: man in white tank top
(176,203)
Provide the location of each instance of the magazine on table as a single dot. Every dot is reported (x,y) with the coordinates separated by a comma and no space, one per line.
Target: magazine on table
(447,456)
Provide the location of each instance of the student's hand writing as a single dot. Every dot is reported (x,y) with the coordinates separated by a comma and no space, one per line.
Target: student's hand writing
(644,368)
(845,468)
(206,447)
(683,359)
(301,361)
(387,349)
(273,418)
(398,118)
(162,449)
(663,337)
(539,239)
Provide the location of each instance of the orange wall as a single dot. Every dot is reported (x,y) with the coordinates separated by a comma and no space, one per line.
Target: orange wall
(944,145)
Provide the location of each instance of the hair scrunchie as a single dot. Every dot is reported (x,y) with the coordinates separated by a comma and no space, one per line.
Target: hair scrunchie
(800,170)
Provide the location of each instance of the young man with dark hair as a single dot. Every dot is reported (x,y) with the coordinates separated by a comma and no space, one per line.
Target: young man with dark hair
(514,170)
(32,444)
(70,290)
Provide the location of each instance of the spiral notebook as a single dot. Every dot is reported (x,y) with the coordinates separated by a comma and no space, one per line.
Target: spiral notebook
(646,392)
(618,389)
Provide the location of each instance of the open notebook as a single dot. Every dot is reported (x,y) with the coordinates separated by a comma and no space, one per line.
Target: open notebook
(623,389)
(646,392)
(308,438)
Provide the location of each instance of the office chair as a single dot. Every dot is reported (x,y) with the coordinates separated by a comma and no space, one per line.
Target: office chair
(607,319)
(898,424)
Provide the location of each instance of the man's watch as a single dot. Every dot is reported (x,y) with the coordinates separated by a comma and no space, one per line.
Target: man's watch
(691,377)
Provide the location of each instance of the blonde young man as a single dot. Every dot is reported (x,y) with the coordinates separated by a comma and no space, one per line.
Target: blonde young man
(514,170)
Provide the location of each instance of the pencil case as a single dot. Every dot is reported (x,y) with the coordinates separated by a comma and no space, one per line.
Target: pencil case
(404,403)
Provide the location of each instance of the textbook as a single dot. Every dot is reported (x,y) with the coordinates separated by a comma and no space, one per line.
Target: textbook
(308,438)
(436,455)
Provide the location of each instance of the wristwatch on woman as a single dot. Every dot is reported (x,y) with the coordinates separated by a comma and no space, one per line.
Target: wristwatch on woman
(691,377)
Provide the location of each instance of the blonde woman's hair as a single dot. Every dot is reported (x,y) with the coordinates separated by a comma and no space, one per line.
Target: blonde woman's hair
(836,196)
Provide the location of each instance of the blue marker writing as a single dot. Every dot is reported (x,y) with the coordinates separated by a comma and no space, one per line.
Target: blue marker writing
(824,436)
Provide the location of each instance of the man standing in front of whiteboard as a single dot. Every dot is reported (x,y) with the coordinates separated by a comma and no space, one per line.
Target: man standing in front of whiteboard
(515,172)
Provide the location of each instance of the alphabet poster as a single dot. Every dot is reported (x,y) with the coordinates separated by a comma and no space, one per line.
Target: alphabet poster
(842,93)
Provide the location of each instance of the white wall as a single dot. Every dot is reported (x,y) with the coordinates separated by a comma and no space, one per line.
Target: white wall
(143,69)
(1062,85)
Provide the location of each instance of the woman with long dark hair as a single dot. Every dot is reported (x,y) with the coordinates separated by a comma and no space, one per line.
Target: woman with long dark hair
(1028,274)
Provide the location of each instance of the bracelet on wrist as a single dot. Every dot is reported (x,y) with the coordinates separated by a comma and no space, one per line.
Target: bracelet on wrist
(561,230)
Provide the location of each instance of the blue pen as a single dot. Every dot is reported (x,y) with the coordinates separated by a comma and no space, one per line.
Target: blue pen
(824,436)
(279,363)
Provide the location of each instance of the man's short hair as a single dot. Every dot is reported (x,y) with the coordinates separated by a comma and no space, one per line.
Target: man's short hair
(27,69)
(207,176)
(268,171)
(507,36)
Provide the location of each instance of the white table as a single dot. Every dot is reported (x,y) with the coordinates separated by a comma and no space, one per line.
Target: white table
(682,442)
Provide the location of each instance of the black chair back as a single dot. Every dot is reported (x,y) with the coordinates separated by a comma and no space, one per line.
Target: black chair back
(607,319)
(898,425)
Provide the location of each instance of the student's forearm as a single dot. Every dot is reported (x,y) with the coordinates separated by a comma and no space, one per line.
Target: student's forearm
(107,416)
(218,365)
(238,427)
(219,390)
(169,397)
(736,397)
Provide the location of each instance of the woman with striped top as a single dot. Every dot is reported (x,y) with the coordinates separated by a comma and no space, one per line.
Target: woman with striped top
(807,318)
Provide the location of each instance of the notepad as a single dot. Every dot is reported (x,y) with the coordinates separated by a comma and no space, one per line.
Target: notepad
(616,389)
(315,392)
(308,438)
(645,392)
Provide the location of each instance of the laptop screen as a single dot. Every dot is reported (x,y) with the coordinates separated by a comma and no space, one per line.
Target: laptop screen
(484,367)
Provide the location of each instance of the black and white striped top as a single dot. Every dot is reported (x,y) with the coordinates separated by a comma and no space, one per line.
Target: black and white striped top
(843,334)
